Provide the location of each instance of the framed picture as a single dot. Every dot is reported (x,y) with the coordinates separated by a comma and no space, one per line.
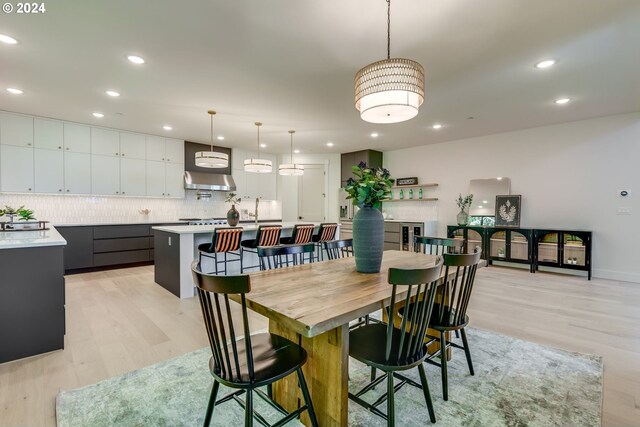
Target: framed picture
(508,211)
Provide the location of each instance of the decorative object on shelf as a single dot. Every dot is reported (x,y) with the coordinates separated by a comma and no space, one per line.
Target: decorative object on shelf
(501,252)
(10,212)
(26,220)
(401,194)
(400,182)
(420,193)
(291,169)
(145,211)
(25,215)
(410,193)
(212,159)
(258,165)
(372,186)
(390,90)
(508,210)
(463,203)
(233,216)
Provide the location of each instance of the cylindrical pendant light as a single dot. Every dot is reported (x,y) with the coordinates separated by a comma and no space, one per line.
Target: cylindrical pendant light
(212,159)
(291,169)
(258,165)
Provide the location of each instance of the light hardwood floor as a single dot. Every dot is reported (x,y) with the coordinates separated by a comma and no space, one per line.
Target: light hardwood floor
(119,320)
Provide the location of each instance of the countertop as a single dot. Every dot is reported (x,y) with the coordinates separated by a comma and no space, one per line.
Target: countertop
(195,229)
(154,222)
(31,238)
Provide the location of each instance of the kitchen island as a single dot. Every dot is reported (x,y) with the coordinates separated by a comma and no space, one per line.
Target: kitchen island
(177,246)
(31,293)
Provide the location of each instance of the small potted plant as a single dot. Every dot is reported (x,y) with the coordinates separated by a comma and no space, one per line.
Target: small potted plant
(501,252)
(233,216)
(463,203)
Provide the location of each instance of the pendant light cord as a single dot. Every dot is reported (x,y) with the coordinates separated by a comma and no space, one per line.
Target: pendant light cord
(388,29)
(258,124)
(291,133)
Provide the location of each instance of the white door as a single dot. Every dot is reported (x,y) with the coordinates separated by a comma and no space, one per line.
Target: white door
(312,194)
(47,134)
(105,142)
(174,151)
(105,175)
(155,149)
(49,171)
(77,173)
(77,138)
(175,180)
(155,179)
(133,177)
(16,169)
(132,145)
(16,130)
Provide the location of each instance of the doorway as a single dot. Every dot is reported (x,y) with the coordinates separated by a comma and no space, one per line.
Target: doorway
(312,194)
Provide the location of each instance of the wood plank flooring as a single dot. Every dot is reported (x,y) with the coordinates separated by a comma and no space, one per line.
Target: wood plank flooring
(119,320)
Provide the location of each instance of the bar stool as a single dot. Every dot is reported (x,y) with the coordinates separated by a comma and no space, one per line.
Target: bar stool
(224,241)
(326,232)
(300,235)
(267,235)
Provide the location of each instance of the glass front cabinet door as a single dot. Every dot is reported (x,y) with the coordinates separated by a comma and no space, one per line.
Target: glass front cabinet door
(472,236)
(564,249)
(510,245)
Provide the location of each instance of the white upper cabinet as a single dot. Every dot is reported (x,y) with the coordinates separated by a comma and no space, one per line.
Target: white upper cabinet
(133,178)
(105,142)
(156,178)
(16,169)
(174,183)
(133,145)
(155,149)
(237,159)
(77,173)
(49,171)
(105,175)
(48,134)
(16,130)
(77,138)
(174,151)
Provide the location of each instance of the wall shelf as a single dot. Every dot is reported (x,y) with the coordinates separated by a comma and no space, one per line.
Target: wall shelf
(415,186)
(427,199)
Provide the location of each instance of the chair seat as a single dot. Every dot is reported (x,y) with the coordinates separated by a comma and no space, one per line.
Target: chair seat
(205,247)
(435,323)
(315,238)
(249,243)
(366,344)
(274,357)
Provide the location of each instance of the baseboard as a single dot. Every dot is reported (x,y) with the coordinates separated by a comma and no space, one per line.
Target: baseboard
(623,276)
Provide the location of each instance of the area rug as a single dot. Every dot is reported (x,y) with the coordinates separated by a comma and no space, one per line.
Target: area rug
(517,383)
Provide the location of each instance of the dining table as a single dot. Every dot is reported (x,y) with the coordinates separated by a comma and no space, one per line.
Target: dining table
(312,305)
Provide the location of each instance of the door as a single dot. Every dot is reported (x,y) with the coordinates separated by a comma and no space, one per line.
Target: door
(132,145)
(49,171)
(47,134)
(312,194)
(16,130)
(77,138)
(174,150)
(133,178)
(155,149)
(105,142)
(105,175)
(175,180)
(16,169)
(155,179)
(77,172)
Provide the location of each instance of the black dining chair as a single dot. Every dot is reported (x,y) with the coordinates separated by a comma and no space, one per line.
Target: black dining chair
(224,241)
(284,255)
(449,312)
(437,245)
(240,360)
(326,232)
(392,350)
(336,249)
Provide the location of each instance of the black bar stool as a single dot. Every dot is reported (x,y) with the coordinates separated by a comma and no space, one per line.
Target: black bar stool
(326,232)
(224,241)
(266,235)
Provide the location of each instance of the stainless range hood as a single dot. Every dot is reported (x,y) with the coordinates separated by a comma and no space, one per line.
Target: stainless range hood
(208,181)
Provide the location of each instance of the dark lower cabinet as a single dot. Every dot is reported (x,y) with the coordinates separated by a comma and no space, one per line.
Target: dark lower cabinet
(79,250)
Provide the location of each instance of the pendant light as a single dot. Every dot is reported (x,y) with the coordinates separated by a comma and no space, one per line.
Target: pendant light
(391,90)
(258,165)
(212,159)
(291,169)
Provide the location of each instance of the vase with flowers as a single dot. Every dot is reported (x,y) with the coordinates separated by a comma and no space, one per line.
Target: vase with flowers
(367,191)
(463,203)
(233,216)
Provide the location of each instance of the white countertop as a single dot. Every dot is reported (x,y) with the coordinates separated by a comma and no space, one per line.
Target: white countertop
(195,229)
(31,238)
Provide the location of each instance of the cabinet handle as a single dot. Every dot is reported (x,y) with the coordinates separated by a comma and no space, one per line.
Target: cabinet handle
(122,154)
(29,189)
(117,154)
(168,160)
(67,148)
(29,144)
(123,192)
(163,159)
(117,192)
(163,194)
(59,147)
(67,190)
(60,190)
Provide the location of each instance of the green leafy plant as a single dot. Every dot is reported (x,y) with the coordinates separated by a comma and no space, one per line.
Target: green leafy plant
(231,198)
(25,215)
(464,202)
(372,186)
(8,210)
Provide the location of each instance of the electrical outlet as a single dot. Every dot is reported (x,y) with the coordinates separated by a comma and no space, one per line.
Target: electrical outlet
(624,211)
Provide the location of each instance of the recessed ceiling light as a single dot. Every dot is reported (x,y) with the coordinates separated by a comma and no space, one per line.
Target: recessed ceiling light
(296,151)
(499,178)
(436,126)
(113,93)
(98,115)
(221,138)
(7,39)
(14,91)
(135,59)
(329,144)
(546,63)
(263,145)
(167,127)
(562,100)
(374,134)
(480,207)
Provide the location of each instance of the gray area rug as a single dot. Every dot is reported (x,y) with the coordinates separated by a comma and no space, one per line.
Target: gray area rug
(517,383)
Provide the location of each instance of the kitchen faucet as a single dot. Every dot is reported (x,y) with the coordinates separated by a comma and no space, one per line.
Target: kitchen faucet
(255,214)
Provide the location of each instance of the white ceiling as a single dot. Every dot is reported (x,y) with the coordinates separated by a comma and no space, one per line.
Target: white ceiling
(291,63)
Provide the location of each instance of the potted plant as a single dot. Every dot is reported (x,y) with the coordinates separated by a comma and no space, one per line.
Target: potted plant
(463,203)
(11,212)
(501,252)
(233,216)
(367,191)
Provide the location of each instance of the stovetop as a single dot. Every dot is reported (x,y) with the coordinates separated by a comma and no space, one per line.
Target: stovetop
(205,221)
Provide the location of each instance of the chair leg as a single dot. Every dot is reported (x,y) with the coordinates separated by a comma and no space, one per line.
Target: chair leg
(248,410)
(373,373)
(241,256)
(307,398)
(215,261)
(427,393)
(467,352)
(391,419)
(270,391)
(212,403)
(443,366)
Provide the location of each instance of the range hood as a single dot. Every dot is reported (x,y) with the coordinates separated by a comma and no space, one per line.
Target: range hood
(208,181)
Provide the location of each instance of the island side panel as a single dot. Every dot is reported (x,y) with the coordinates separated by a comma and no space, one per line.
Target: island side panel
(167,261)
(32,317)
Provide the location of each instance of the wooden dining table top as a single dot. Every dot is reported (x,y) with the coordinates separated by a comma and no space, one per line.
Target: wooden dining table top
(314,298)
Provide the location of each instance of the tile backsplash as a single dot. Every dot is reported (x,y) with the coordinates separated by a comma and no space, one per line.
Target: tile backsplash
(104,209)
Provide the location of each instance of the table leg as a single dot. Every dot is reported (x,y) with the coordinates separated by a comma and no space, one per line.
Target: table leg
(326,372)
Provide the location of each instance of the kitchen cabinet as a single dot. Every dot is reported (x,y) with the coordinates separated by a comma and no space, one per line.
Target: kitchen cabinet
(105,175)
(240,178)
(133,177)
(132,145)
(16,130)
(165,150)
(155,149)
(77,173)
(16,169)
(77,138)
(78,253)
(105,142)
(156,179)
(174,180)
(251,185)
(174,151)
(49,171)
(48,134)
(371,157)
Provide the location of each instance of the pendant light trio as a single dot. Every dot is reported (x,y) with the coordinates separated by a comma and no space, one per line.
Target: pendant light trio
(213,159)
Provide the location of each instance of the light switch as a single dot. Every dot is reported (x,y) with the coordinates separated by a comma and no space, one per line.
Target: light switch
(169,241)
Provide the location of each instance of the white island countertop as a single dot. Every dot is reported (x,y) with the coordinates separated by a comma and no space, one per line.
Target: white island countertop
(31,238)
(197,229)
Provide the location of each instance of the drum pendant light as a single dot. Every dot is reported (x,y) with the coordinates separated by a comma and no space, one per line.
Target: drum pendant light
(258,165)
(291,169)
(212,159)
(391,90)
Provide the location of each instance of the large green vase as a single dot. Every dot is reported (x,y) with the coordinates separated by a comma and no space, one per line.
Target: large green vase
(368,239)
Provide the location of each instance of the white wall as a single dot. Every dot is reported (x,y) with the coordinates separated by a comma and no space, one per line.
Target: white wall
(569,175)
(288,185)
